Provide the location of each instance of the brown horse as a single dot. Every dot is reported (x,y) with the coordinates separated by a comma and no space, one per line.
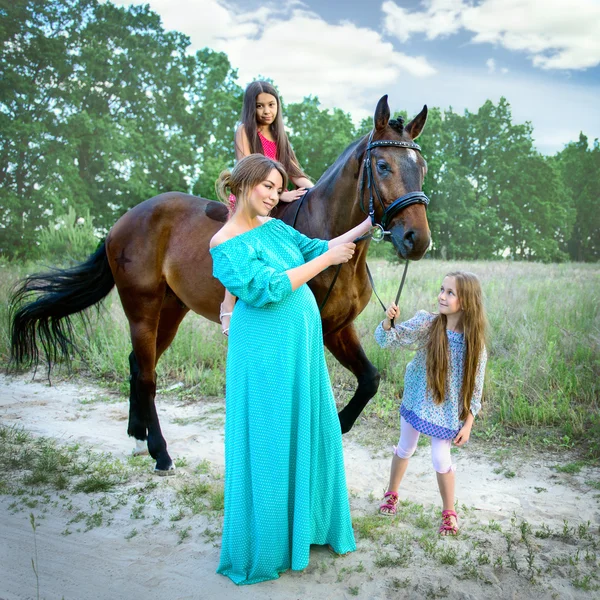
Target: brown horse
(157,255)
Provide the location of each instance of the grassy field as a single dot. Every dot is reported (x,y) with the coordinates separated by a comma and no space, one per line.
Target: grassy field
(544,349)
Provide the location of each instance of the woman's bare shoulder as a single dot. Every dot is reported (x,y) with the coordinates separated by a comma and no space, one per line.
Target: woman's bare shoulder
(224,234)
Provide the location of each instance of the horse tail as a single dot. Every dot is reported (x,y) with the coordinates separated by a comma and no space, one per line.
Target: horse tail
(58,294)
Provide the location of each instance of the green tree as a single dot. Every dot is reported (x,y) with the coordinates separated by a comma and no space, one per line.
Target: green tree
(318,136)
(216,106)
(100,108)
(580,168)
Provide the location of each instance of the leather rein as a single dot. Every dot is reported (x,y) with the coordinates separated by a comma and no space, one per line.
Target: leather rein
(379,230)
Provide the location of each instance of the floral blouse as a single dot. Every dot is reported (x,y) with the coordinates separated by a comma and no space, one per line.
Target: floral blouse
(418,409)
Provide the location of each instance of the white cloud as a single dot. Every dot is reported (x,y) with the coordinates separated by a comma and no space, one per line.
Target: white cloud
(558,110)
(442,18)
(340,63)
(555,34)
(490,63)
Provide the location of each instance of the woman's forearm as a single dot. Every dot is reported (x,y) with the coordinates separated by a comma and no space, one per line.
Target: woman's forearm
(300,275)
(351,235)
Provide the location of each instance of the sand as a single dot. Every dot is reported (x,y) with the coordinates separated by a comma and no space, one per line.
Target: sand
(106,562)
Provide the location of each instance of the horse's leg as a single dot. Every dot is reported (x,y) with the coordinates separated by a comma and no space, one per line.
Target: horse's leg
(345,346)
(171,314)
(143,312)
(136,427)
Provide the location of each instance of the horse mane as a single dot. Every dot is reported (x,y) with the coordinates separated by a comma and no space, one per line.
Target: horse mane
(397,124)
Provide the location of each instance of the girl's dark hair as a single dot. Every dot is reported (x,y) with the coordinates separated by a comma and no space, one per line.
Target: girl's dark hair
(285,154)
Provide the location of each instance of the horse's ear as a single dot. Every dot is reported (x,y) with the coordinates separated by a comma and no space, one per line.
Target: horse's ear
(382,114)
(415,127)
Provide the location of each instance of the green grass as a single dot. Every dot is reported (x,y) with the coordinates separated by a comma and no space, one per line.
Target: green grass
(571,468)
(543,377)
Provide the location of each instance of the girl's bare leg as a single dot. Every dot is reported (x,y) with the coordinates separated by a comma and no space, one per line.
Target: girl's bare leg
(446,485)
(399,466)
(397,471)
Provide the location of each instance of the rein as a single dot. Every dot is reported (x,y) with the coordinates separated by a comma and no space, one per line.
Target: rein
(379,230)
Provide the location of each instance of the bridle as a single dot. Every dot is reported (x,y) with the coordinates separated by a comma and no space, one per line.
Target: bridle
(397,205)
(379,230)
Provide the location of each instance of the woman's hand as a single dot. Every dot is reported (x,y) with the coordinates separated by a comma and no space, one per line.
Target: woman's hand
(291,196)
(393,312)
(341,253)
(463,435)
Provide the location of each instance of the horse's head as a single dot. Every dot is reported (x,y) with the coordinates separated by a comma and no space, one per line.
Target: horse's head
(397,172)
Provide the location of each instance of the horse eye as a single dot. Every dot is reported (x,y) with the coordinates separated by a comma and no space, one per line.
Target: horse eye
(382,166)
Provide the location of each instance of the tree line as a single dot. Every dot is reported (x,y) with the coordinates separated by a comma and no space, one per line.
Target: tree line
(101,108)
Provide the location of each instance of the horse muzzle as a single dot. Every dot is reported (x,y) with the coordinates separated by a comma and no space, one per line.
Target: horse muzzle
(410,243)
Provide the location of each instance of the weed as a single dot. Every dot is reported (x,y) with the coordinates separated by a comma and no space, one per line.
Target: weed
(525,529)
(544,532)
(203,468)
(571,468)
(370,526)
(440,592)
(428,544)
(493,526)
(183,534)
(583,530)
(448,556)
(131,534)
(423,521)
(137,512)
(584,583)
(353,590)
(192,496)
(95,483)
(399,584)
(401,559)
(177,516)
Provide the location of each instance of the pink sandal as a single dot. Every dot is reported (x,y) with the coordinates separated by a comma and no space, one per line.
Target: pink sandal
(388,507)
(447,524)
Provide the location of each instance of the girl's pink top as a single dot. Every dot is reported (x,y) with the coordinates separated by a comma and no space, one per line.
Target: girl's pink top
(269,150)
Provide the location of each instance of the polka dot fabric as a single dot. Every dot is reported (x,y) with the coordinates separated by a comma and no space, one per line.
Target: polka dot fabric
(437,420)
(285,486)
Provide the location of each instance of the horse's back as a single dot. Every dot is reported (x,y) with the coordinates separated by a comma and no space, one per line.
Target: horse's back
(165,239)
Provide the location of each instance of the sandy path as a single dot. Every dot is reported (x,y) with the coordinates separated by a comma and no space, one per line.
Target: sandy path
(101,563)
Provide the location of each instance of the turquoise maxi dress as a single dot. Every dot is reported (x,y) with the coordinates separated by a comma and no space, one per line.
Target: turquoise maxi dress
(285,486)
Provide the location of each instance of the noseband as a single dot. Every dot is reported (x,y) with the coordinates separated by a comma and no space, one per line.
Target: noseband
(397,205)
(379,230)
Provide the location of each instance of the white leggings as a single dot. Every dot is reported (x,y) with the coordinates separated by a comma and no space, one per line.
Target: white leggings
(440,449)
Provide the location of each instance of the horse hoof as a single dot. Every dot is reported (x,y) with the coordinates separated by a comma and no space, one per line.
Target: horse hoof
(165,473)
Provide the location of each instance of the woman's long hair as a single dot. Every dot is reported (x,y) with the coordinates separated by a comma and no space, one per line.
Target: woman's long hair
(248,173)
(474,322)
(285,154)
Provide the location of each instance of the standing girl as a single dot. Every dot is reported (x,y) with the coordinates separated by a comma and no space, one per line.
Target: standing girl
(443,383)
(285,486)
(261,131)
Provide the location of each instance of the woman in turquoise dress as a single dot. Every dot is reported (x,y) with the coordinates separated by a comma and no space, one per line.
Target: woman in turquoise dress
(285,486)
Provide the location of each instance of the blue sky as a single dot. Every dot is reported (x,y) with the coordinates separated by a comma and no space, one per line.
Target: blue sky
(544,57)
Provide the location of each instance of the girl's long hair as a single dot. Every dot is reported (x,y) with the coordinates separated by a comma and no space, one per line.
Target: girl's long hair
(248,173)
(285,154)
(474,322)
